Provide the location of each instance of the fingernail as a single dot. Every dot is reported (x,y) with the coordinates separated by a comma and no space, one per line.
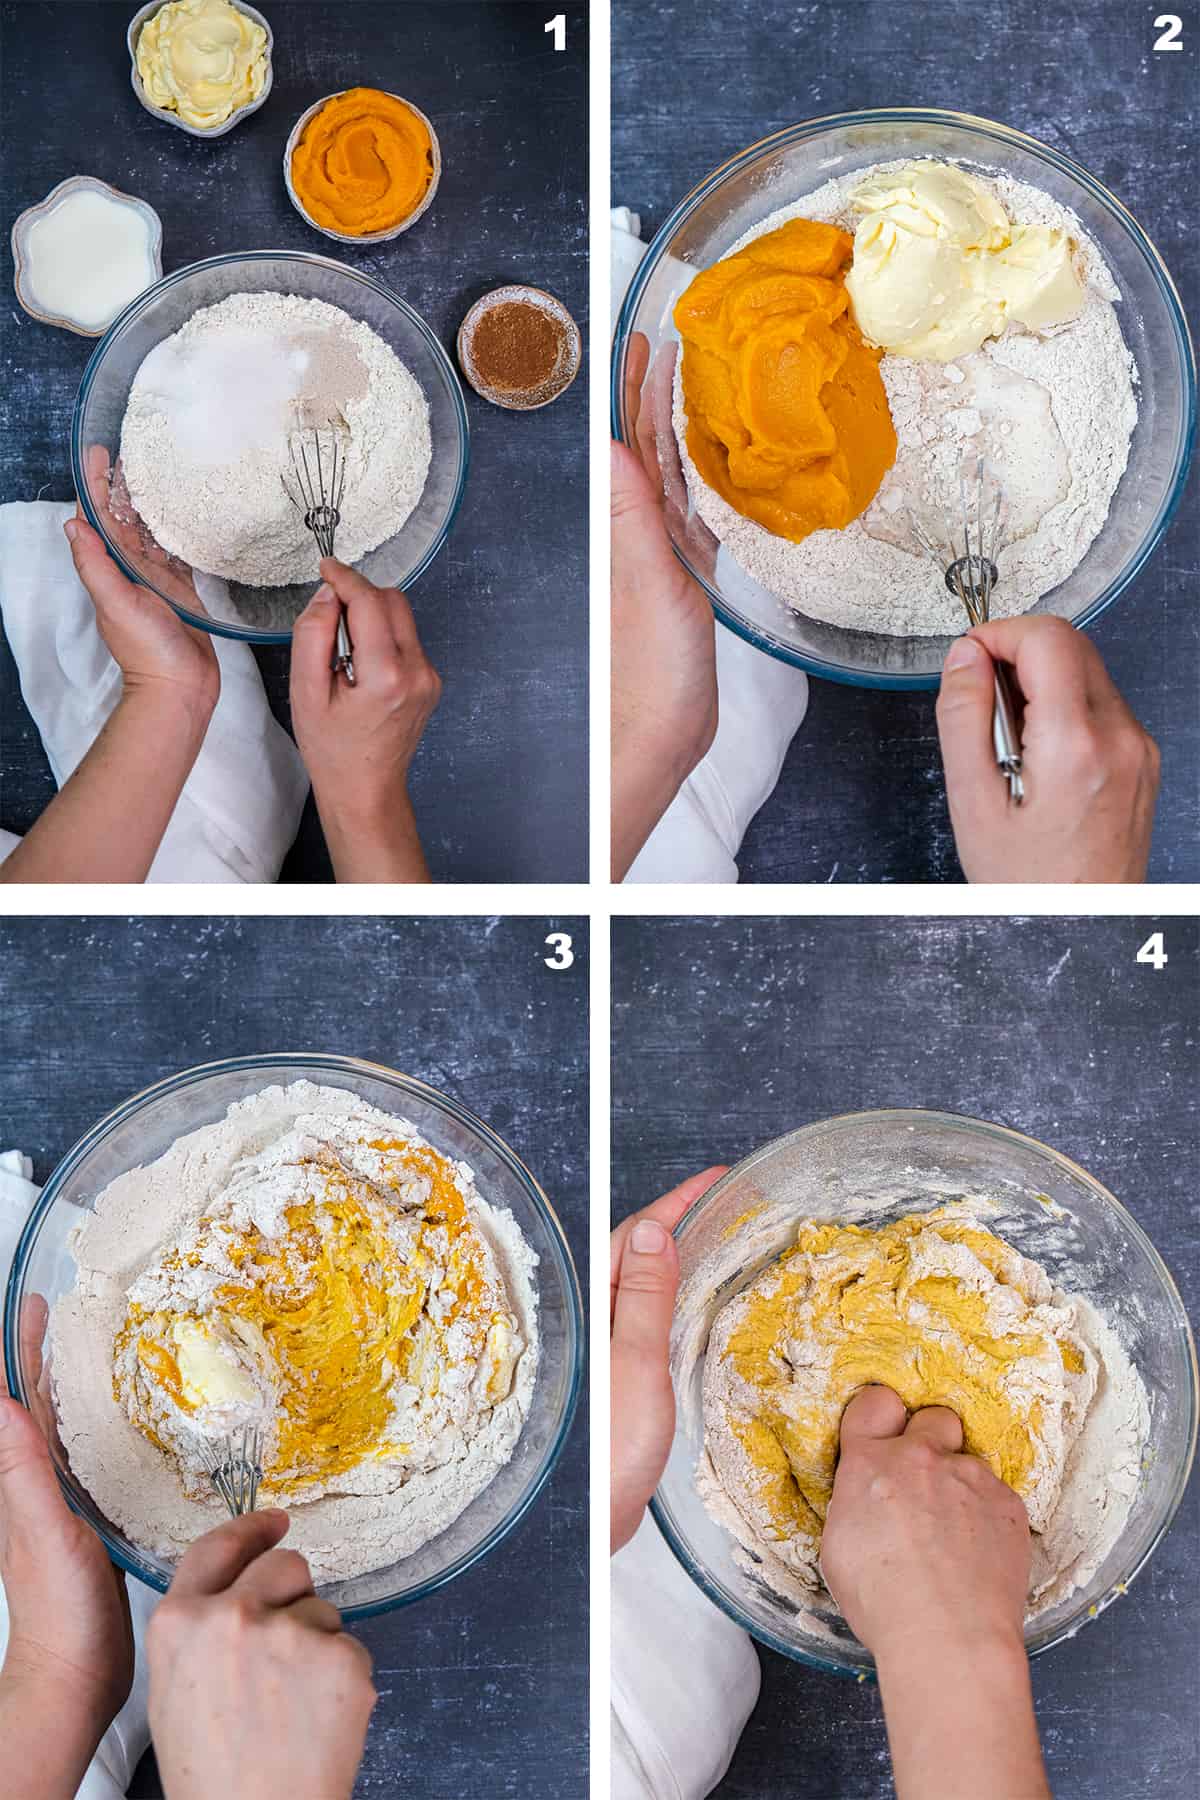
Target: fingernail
(649,1238)
(71,527)
(963,652)
(323,595)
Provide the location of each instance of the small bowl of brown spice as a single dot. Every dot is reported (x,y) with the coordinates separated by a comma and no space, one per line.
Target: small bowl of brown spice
(519,347)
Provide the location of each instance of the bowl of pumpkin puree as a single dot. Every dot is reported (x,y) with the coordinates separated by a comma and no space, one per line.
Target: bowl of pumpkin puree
(362,166)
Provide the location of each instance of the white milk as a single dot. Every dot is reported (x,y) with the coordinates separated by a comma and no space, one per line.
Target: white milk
(88,258)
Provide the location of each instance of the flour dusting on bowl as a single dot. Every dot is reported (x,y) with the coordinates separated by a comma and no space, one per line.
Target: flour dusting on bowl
(1052,411)
(1092,1276)
(426,501)
(312,1266)
(732,204)
(213,415)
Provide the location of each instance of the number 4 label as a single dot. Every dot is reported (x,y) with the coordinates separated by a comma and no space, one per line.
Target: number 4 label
(558,25)
(1152,951)
(1172,32)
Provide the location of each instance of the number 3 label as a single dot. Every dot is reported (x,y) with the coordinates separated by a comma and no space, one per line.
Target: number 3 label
(1172,32)
(563,956)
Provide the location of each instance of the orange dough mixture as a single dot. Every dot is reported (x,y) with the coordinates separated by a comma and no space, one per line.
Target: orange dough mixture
(787,414)
(363,163)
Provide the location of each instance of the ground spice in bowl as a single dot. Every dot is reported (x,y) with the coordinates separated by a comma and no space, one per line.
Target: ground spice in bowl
(519,347)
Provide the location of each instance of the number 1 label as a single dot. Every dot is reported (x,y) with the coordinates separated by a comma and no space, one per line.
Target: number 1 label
(558,25)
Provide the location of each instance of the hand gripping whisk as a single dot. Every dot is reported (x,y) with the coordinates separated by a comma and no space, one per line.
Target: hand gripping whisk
(235,1467)
(971,573)
(320,502)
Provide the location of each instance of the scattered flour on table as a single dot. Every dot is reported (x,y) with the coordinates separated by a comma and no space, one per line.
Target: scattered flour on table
(1054,411)
(247,1169)
(204,442)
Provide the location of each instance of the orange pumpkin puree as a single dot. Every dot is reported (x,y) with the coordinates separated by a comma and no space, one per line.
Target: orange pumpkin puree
(787,413)
(364,162)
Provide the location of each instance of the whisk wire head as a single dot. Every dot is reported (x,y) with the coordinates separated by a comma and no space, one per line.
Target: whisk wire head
(320,502)
(234,1467)
(971,571)
(971,575)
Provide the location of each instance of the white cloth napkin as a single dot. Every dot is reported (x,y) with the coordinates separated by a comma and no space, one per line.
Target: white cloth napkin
(124,1743)
(241,806)
(684,1677)
(761,703)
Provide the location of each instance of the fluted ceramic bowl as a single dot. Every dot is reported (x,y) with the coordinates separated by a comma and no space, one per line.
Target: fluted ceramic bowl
(165,113)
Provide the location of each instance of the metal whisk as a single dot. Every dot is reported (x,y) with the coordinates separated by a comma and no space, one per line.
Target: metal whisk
(320,501)
(971,574)
(235,1467)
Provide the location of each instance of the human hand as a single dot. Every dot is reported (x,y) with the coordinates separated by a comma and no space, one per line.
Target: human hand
(358,742)
(123,526)
(643,1279)
(70,1644)
(108,820)
(155,651)
(921,1541)
(928,1555)
(1091,772)
(255,1689)
(664,676)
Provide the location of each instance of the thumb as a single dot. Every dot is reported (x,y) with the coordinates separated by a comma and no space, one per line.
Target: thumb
(95,568)
(965,705)
(646,1284)
(874,1412)
(313,638)
(215,1561)
(29,1492)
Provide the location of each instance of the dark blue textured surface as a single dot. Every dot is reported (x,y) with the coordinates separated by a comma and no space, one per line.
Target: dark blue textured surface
(500,783)
(861,797)
(728,1033)
(483,1686)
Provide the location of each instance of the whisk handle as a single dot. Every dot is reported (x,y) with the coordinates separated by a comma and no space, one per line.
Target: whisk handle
(1004,734)
(343,661)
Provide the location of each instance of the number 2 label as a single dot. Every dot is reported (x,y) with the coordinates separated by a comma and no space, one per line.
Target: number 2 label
(1172,32)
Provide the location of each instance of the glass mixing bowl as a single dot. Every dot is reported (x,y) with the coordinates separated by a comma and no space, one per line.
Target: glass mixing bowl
(782,169)
(259,615)
(148,1123)
(1051,1210)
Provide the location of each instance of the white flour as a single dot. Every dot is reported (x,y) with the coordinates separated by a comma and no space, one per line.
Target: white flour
(248,1168)
(1088,1452)
(1055,413)
(204,442)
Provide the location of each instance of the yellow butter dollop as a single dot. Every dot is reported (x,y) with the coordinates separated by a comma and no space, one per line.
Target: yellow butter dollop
(209,1374)
(939,267)
(202,59)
